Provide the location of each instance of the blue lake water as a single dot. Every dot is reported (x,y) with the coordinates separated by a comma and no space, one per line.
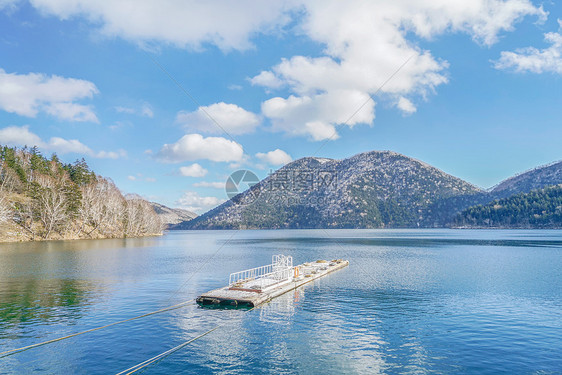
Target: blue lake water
(411,301)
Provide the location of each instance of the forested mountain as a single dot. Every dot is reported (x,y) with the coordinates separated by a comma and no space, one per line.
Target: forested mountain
(44,198)
(370,190)
(536,178)
(540,208)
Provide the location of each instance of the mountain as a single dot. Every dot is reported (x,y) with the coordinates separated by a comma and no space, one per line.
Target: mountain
(540,208)
(375,189)
(170,216)
(536,178)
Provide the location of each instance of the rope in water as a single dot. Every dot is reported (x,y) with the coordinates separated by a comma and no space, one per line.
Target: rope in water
(163,355)
(18,350)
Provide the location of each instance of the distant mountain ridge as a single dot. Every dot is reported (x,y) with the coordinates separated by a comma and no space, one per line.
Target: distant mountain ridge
(377,189)
(171,216)
(536,178)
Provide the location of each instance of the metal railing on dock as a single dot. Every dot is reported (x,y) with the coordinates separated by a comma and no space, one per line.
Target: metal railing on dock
(281,269)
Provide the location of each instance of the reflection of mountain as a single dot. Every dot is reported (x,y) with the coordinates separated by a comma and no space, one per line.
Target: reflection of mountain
(45,300)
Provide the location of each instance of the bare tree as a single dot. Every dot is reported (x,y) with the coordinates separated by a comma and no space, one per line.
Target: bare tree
(52,204)
(24,216)
(4,209)
(4,184)
(141,219)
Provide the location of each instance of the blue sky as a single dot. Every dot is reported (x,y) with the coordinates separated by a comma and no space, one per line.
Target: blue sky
(479,96)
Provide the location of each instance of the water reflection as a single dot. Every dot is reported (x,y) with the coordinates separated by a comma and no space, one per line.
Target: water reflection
(410,302)
(281,309)
(57,301)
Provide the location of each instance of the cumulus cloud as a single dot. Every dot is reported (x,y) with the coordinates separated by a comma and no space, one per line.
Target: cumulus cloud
(267,79)
(316,115)
(65,146)
(22,136)
(192,201)
(190,23)
(193,170)
(230,117)
(406,106)
(195,146)
(275,157)
(365,43)
(533,60)
(214,185)
(29,94)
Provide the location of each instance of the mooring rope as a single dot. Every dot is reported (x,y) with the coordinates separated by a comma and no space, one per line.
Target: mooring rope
(18,350)
(163,355)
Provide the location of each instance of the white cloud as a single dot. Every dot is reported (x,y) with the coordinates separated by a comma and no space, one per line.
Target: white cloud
(276,157)
(235,87)
(214,185)
(29,94)
(21,136)
(192,201)
(193,170)
(195,147)
(365,43)
(316,115)
(111,154)
(144,110)
(190,23)
(267,79)
(406,106)
(8,4)
(230,117)
(127,110)
(131,178)
(186,23)
(533,60)
(65,146)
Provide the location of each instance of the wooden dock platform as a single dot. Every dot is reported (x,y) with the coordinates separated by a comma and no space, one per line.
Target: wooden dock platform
(245,293)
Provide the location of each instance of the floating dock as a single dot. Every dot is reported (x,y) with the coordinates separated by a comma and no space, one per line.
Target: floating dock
(250,288)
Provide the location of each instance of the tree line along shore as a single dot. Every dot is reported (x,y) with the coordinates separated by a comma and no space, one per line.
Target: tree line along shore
(44,199)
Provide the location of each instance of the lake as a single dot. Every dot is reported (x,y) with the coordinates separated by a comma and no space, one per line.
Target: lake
(411,301)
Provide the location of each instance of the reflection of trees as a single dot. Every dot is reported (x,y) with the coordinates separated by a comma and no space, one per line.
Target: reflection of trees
(47,301)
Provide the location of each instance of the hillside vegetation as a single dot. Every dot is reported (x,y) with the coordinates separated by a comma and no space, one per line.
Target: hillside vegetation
(44,198)
(378,189)
(540,208)
(382,189)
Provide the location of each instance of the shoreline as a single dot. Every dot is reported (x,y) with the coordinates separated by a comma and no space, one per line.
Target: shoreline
(20,240)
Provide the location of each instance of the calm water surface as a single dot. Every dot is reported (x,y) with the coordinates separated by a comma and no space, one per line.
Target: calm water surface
(411,301)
